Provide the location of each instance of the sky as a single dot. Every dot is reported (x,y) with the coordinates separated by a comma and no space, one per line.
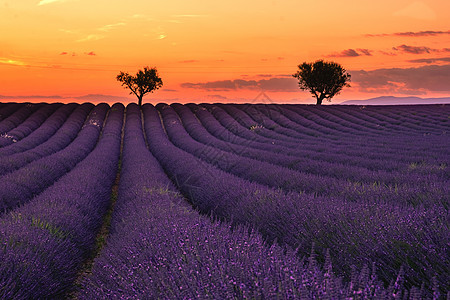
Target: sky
(221,51)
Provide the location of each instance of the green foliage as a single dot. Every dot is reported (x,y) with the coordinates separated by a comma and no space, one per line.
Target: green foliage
(144,82)
(322,79)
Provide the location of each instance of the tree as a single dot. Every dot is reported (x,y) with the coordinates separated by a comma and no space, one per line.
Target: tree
(322,79)
(144,82)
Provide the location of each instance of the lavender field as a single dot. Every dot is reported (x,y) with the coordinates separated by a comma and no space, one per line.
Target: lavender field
(224,201)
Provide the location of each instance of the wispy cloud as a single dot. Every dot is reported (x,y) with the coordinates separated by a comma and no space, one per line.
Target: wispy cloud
(217,97)
(188,61)
(190,16)
(430,60)
(352,53)
(418,49)
(413,49)
(30,97)
(91,37)
(43,2)
(8,61)
(109,27)
(412,33)
(91,53)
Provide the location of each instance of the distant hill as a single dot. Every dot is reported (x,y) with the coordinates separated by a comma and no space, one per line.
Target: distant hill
(392,100)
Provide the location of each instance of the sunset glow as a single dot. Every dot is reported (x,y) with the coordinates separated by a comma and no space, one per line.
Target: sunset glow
(221,51)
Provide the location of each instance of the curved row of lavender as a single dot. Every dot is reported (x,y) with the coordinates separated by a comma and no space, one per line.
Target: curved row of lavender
(160,248)
(6,109)
(355,232)
(42,133)
(44,243)
(29,125)
(17,117)
(65,134)
(19,186)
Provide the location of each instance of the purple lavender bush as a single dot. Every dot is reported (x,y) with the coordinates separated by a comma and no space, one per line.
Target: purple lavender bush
(41,134)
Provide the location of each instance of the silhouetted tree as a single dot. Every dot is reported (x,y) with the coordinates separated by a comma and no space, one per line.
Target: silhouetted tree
(145,81)
(322,79)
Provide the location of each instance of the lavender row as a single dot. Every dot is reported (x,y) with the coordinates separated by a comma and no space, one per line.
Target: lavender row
(17,117)
(392,145)
(247,120)
(8,109)
(355,233)
(330,114)
(303,164)
(44,132)
(368,117)
(290,180)
(277,113)
(160,248)
(428,115)
(258,116)
(434,122)
(372,160)
(61,139)
(18,187)
(29,125)
(44,243)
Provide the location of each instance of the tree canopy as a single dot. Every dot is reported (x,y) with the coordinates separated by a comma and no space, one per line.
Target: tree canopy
(145,81)
(322,79)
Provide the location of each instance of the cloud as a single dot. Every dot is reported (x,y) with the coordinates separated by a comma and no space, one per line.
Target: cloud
(430,60)
(217,97)
(188,61)
(432,78)
(43,2)
(8,61)
(276,84)
(6,97)
(413,49)
(91,53)
(411,33)
(352,53)
(190,16)
(418,49)
(264,75)
(109,27)
(417,10)
(97,98)
(91,37)
(366,52)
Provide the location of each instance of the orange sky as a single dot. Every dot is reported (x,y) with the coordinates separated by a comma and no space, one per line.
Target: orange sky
(221,51)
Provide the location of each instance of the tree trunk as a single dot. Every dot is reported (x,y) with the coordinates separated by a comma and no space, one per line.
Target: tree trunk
(319,101)
(140,101)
